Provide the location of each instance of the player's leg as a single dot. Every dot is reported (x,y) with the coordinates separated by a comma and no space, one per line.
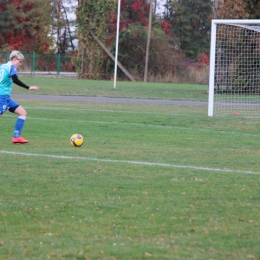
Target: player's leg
(20,111)
(18,127)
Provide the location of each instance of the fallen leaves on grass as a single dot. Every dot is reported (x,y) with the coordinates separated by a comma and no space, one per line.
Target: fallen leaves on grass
(48,234)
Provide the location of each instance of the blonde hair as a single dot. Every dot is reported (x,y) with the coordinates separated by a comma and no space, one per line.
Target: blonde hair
(16,54)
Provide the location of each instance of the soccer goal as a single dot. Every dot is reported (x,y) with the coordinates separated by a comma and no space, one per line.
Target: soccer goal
(234,78)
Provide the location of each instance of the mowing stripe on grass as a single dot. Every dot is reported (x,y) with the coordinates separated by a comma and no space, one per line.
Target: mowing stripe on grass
(96,110)
(110,99)
(130,162)
(220,131)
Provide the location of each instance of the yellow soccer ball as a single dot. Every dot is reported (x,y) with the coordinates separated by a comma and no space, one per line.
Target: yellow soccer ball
(76,140)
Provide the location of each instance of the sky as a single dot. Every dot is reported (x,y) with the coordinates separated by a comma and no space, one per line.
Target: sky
(160,7)
(71,11)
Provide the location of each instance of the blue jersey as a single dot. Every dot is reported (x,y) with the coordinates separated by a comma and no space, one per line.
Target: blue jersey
(7,70)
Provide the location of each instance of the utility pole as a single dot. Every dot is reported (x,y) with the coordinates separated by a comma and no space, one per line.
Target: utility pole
(214,7)
(148,41)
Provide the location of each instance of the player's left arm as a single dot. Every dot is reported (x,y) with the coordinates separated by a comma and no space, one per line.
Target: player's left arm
(21,84)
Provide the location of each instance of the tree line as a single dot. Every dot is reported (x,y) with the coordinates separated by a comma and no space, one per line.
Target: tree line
(180,34)
(37,26)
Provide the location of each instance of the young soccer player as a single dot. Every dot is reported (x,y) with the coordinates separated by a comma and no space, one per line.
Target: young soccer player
(8,75)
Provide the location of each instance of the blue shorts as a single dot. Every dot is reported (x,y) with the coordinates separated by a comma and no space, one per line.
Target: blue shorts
(6,103)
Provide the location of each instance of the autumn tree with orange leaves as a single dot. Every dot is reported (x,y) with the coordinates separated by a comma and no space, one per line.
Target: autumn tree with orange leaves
(25,25)
(232,9)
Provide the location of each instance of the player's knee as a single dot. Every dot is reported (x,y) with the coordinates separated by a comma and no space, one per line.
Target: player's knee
(20,111)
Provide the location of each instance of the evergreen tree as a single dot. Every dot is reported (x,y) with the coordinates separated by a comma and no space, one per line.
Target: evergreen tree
(253,8)
(190,23)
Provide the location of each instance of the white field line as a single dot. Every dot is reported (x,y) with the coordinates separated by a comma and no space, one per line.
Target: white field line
(130,162)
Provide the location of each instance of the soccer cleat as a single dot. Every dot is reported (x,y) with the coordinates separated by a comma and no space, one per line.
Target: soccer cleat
(19,140)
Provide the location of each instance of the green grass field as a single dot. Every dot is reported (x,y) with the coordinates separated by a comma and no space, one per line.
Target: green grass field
(123,89)
(151,181)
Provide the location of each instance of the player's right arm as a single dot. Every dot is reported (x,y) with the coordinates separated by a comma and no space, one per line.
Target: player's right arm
(20,83)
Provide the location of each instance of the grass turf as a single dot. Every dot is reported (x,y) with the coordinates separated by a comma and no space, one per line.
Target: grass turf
(94,88)
(150,181)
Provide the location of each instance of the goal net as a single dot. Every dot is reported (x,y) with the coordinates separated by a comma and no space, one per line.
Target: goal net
(234,80)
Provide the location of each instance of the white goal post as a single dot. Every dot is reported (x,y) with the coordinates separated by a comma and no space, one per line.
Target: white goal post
(234,77)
